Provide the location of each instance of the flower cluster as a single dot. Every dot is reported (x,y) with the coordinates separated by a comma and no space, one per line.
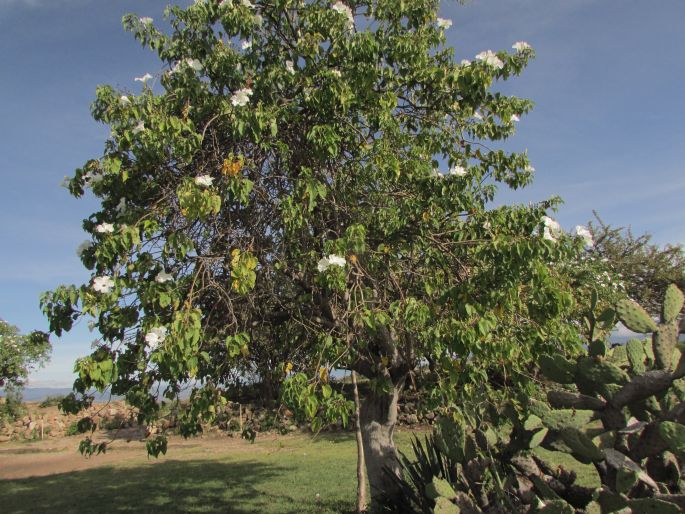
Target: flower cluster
(155,337)
(204,180)
(345,10)
(491,59)
(552,230)
(241,97)
(444,23)
(331,260)
(103,284)
(163,277)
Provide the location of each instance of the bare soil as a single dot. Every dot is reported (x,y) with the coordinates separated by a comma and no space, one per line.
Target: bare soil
(49,457)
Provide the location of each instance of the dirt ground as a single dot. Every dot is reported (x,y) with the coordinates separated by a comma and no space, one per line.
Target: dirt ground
(42,458)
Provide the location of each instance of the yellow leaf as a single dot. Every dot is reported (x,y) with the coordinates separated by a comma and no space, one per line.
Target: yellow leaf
(323,374)
(288,368)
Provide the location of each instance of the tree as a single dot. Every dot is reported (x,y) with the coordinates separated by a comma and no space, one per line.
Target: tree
(283,183)
(645,269)
(19,353)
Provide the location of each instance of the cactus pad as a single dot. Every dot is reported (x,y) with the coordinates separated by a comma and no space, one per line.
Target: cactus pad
(581,445)
(636,355)
(664,341)
(439,487)
(635,317)
(444,506)
(558,369)
(673,435)
(673,302)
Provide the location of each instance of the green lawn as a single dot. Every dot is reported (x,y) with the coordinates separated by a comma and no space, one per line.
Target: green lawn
(275,475)
(272,476)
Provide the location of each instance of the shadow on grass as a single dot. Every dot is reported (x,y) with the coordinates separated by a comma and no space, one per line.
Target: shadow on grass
(169,487)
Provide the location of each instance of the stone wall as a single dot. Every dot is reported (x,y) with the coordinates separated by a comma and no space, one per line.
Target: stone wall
(49,422)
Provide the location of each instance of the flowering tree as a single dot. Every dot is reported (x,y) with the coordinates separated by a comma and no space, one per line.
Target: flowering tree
(19,353)
(279,180)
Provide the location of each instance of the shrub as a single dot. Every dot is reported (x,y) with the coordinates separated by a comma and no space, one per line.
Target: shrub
(620,409)
(51,401)
(13,407)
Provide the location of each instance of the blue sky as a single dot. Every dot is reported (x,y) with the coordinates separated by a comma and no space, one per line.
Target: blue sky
(607,132)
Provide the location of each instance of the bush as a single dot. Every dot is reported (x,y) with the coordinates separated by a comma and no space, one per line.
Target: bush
(51,401)
(13,406)
(72,429)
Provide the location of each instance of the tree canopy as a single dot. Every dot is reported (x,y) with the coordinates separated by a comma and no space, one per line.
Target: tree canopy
(316,176)
(19,353)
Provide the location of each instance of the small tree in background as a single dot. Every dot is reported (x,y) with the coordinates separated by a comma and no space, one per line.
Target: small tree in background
(280,186)
(645,269)
(20,353)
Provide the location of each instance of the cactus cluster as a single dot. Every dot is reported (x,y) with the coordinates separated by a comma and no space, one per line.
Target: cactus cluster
(620,409)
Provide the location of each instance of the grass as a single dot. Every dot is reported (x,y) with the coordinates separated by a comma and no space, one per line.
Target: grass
(280,475)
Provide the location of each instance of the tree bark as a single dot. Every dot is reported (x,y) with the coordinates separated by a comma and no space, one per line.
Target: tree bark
(362,497)
(378,419)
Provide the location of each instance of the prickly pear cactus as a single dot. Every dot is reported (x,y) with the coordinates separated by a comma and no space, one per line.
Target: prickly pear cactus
(620,410)
(664,334)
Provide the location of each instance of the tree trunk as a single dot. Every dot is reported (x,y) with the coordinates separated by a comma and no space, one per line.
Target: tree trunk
(362,499)
(378,419)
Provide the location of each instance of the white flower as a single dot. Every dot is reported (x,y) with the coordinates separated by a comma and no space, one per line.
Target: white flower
(337,260)
(91,178)
(145,20)
(226,3)
(336,73)
(552,229)
(139,128)
(444,23)
(487,225)
(478,115)
(343,9)
(247,3)
(514,117)
(465,62)
(155,337)
(459,171)
(123,100)
(246,45)
(241,97)
(83,247)
(163,276)
(104,228)
(529,169)
(583,232)
(331,260)
(194,64)
(204,180)
(144,78)
(290,67)
(490,58)
(520,46)
(103,284)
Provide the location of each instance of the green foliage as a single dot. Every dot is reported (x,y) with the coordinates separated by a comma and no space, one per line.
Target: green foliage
(12,408)
(19,353)
(623,418)
(645,270)
(51,401)
(277,205)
